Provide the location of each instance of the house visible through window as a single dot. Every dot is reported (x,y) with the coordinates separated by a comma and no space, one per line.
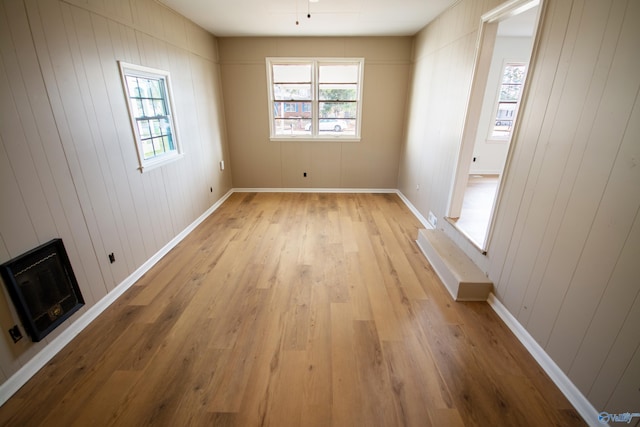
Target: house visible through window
(150,109)
(509,95)
(315,98)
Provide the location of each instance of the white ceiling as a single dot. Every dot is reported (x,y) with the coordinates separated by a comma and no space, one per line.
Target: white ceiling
(228,18)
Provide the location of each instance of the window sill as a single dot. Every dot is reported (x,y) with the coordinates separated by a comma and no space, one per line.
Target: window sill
(317,139)
(153,164)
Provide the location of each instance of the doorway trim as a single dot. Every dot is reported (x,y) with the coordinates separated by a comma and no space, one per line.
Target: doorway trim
(484,51)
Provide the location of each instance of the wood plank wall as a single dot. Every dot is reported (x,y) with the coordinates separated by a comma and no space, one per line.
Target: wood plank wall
(67,156)
(370,163)
(564,254)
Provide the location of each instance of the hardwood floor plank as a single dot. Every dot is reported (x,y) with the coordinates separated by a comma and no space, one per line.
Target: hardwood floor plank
(106,401)
(347,404)
(359,296)
(317,397)
(294,309)
(373,378)
(387,323)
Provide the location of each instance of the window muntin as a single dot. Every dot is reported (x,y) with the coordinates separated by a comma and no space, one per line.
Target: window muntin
(509,94)
(315,98)
(150,109)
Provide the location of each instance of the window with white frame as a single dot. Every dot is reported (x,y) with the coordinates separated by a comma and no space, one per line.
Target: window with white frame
(509,94)
(148,93)
(315,98)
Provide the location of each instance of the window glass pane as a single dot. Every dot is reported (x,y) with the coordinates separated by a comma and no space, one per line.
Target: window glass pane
(145,91)
(338,73)
(166,130)
(290,107)
(132,86)
(158,146)
(506,110)
(147,149)
(143,129)
(514,74)
(136,105)
(158,108)
(154,86)
(510,92)
(155,128)
(147,105)
(298,73)
(289,127)
(338,109)
(338,92)
(337,126)
(287,92)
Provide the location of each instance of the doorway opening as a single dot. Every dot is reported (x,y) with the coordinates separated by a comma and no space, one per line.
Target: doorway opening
(505,48)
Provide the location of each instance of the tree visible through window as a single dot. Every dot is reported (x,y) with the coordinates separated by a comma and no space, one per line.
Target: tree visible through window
(510,91)
(313,98)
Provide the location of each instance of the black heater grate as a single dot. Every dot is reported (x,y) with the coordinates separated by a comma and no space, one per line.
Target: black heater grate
(43,288)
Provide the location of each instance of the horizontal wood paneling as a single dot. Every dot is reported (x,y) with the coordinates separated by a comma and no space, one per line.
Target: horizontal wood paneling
(67,155)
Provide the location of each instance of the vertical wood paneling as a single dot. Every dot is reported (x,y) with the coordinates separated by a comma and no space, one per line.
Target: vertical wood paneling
(67,154)
(503,245)
(100,118)
(547,167)
(64,96)
(370,163)
(564,251)
(626,393)
(594,32)
(112,114)
(617,360)
(605,184)
(613,311)
(595,160)
(50,159)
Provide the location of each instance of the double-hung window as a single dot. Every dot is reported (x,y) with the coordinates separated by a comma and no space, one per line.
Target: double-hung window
(509,94)
(148,93)
(315,98)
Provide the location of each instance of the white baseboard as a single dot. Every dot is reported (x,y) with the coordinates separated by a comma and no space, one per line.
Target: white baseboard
(414,211)
(24,374)
(571,392)
(316,190)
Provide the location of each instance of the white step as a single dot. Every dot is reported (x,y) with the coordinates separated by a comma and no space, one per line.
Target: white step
(464,280)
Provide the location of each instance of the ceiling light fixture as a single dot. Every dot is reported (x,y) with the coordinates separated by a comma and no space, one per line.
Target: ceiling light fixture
(308,10)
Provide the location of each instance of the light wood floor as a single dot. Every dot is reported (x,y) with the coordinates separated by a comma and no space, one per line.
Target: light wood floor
(293,309)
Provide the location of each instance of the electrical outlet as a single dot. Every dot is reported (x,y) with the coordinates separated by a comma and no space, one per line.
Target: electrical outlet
(221,165)
(112,258)
(15,333)
(417,187)
(304,174)
(432,219)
